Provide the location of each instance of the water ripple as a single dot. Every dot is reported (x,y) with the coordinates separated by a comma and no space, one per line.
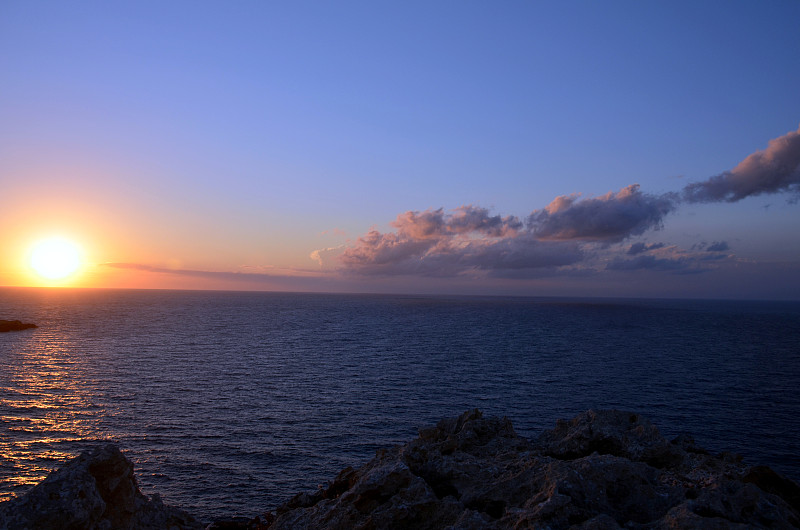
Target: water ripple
(228,403)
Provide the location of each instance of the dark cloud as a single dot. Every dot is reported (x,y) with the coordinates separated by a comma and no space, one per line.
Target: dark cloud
(638,248)
(715,256)
(773,170)
(700,258)
(609,218)
(647,262)
(523,252)
(718,246)
(715,246)
(677,265)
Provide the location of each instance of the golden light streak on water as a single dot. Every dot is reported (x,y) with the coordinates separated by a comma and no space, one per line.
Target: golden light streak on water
(46,388)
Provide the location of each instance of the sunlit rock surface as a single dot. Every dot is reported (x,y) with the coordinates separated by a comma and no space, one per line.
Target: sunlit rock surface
(602,470)
(96,490)
(14,325)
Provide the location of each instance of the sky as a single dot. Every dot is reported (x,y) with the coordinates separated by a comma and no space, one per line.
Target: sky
(609,149)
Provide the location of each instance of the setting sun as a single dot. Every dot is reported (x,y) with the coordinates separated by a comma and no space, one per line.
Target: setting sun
(55,258)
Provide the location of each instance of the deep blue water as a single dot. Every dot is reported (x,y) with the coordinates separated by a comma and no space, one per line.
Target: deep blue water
(229,403)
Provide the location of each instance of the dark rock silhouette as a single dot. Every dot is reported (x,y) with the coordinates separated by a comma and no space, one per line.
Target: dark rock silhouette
(601,470)
(14,325)
(96,490)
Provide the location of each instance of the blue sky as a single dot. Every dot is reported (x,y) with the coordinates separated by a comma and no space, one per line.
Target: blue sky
(201,137)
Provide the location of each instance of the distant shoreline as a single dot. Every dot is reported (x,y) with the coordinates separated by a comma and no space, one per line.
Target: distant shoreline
(15,325)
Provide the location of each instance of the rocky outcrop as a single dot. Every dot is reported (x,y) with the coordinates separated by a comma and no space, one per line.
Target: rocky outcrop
(15,325)
(601,470)
(95,491)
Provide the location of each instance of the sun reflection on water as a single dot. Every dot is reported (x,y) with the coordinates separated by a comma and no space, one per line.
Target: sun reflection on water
(48,410)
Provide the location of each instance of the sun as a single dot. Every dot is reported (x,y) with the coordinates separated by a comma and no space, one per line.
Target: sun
(55,258)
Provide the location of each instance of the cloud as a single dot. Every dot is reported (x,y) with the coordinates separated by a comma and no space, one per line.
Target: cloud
(773,170)
(647,262)
(319,254)
(465,219)
(610,218)
(718,246)
(473,219)
(392,254)
(659,257)
(435,243)
(638,248)
(715,246)
(377,249)
(571,235)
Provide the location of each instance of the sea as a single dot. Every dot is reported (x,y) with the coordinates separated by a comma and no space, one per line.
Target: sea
(229,403)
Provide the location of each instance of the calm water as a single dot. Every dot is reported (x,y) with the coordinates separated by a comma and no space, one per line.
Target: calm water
(229,403)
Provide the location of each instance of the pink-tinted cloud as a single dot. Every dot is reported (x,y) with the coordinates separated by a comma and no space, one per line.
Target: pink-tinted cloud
(474,219)
(435,243)
(773,170)
(319,255)
(609,218)
(377,249)
(464,220)
(571,232)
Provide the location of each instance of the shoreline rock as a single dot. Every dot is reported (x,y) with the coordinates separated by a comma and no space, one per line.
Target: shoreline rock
(603,469)
(14,325)
(96,490)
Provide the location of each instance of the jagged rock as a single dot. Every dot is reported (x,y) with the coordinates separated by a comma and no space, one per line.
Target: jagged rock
(601,470)
(612,432)
(15,325)
(94,491)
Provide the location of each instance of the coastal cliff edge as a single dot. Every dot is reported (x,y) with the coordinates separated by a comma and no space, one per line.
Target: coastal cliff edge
(603,469)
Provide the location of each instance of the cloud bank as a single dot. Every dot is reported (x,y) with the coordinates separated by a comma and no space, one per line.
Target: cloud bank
(470,240)
(569,235)
(435,243)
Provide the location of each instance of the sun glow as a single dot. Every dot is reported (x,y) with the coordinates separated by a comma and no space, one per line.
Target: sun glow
(55,258)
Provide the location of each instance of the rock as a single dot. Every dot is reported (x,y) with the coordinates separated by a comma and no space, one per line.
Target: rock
(613,432)
(15,325)
(96,490)
(601,470)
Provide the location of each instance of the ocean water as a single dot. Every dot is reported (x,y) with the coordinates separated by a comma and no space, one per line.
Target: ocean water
(229,403)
